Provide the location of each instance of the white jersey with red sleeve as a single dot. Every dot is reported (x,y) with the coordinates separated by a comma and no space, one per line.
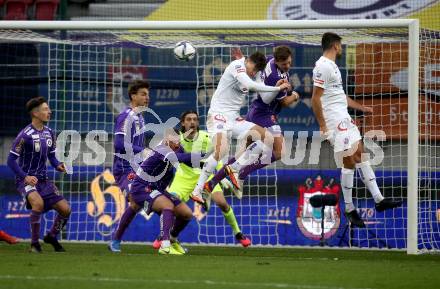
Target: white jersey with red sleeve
(326,75)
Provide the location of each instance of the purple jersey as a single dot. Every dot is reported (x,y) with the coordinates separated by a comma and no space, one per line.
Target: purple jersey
(159,167)
(122,125)
(271,75)
(33,147)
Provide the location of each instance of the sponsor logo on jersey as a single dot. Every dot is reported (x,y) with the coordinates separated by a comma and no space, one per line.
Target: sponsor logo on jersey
(49,142)
(37,146)
(309,218)
(367,9)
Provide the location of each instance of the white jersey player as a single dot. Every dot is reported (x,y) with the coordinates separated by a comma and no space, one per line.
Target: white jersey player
(329,103)
(224,118)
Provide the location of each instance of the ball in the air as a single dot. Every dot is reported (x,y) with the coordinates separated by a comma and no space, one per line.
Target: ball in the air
(184,50)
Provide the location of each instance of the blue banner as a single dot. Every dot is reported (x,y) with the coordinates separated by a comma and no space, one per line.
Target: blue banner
(288,219)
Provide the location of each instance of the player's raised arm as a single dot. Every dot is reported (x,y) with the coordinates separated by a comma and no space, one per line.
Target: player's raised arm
(268,97)
(255,63)
(288,100)
(248,84)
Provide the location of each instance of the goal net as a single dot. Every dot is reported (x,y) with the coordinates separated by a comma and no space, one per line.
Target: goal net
(85,74)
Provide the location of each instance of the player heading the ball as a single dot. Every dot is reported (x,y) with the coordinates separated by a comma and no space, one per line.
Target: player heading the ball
(224,120)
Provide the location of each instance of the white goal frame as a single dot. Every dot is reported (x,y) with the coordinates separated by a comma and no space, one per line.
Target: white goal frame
(413,67)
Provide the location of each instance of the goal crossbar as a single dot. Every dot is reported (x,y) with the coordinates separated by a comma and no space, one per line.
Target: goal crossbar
(207,25)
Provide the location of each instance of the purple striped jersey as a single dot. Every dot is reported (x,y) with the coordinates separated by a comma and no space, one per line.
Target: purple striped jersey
(158,165)
(122,123)
(270,76)
(33,147)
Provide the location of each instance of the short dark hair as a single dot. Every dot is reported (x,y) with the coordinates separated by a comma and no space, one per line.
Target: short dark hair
(281,53)
(329,39)
(134,86)
(35,102)
(259,59)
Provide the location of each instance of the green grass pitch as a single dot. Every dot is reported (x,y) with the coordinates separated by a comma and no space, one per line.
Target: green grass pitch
(92,266)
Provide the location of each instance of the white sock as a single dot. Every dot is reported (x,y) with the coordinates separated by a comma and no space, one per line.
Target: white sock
(347,176)
(207,170)
(369,179)
(250,155)
(165,244)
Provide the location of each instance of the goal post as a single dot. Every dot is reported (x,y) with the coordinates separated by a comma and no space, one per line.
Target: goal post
(413,136)
(284,31)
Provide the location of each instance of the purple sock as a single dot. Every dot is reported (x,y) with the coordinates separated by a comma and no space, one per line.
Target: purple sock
(179,225)
(245,171)
(166,223)
(220,175)
(58,225)
(126,219)
(35,226)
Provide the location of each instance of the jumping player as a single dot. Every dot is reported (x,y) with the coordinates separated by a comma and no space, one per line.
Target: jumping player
(329,103)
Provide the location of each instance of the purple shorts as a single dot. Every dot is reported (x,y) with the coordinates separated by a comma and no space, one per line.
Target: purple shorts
(263,119)
(144,197)
(45,188)
(123,183)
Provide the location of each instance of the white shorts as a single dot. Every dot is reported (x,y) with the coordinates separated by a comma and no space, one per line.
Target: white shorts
(230,123)
(344,135)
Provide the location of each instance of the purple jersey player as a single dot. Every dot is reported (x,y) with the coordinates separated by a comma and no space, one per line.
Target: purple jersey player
(264,110)
(148,191)
(34,145)
(131,122)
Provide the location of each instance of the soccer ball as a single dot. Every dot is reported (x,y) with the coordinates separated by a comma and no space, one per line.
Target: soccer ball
(184,50)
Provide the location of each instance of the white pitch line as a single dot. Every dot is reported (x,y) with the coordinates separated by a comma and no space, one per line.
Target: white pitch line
(171,281)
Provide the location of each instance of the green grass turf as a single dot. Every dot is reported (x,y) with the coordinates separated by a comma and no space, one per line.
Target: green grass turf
(92,266)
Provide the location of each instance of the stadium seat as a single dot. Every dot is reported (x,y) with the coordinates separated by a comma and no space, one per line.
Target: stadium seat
(46,9)
(16,9)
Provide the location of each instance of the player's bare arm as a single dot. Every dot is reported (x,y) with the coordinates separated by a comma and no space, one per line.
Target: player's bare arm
(317,108)
(357,106)
(288,100)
